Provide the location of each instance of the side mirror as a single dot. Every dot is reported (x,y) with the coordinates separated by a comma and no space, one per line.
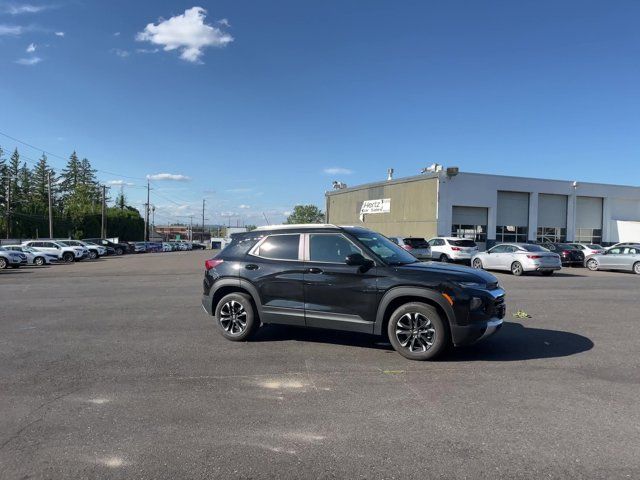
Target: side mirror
(358,260)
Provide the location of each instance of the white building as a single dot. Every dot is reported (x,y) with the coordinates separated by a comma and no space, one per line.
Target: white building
(493,208)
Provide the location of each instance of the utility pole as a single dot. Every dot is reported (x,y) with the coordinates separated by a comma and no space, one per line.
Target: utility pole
(191,228)
(146,216)
(153,218)
(103,229)
(9,208)
(202,236)
(50,210)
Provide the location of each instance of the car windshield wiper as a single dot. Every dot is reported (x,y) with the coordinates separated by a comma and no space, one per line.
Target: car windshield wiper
(398,264)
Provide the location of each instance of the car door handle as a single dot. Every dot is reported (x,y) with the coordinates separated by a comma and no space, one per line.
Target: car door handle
(313,270)
(251,266)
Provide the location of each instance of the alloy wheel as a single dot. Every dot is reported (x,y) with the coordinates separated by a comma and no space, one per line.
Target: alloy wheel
(477,263)
(636,268)
(233,317)
(39,261)
(415,332)
(592,265)
(516,269)
(3,263)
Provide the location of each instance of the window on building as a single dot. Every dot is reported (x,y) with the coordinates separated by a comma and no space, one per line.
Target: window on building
(551,234)
(281,247)
(588,235)
(477,233)
(511,233)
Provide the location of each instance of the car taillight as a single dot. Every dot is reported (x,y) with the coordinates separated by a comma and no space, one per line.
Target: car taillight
(212,263)
(456,249)
(565,252)
(407,247)
(534,256)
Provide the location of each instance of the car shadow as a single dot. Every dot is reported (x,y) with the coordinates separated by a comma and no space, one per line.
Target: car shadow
(7,271)
(513,342)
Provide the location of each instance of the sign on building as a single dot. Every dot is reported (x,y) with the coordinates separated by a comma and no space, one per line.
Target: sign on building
(380,205)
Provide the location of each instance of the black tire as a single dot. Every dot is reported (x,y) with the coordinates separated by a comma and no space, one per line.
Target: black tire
(68,257)
(39,261)
(15,266)
(422,318)
(241,322)
(547,273)
(93,254)
(3,263)
(477,264)
(636,268)
(119,251)
(444,258)
(516,269)
(592,264)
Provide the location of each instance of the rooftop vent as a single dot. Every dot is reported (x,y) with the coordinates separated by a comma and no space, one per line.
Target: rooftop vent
(433,168)
(389,174)
(339,185)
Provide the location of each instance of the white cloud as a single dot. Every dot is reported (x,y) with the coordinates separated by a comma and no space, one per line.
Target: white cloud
(169,176)
(29,61)
(187,33)
(224,22)
(118,183)
(10,30)
(338,171)
(147,50)
(31,48)
(120,53)
(59,34)
(25,8)
(244,207)
(116,34)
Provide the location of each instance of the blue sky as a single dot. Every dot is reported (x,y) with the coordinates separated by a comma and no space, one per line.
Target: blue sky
(262,104)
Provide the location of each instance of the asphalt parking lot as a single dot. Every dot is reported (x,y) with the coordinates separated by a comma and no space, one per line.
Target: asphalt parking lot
(110,369)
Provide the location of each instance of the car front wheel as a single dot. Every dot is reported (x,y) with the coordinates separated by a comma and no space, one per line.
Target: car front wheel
(516,269)
(417,332)
(236,317)
(93,255)
(636,268)
(68,257)
(119,251)
(592,265)
(3,263)
(39,261)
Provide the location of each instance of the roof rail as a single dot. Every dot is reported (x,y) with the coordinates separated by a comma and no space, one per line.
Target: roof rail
(294,226)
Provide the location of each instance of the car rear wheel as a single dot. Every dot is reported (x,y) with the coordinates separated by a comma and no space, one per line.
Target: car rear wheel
(93,254)
(417,332)
(444,258)
(636,268)
(516,269)
(68,257)
(592,265)
(3,263)
(236,317)
(39,261)
(119,251)
(477,263)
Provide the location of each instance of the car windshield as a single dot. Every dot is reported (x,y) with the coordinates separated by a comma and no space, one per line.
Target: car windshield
(388,251)
(533,248)
(416,242)
(566,246)
(462,243)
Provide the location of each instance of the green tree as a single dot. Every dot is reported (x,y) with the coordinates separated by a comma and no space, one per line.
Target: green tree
(121,201)
(305,214)
(70,178)
(39,178)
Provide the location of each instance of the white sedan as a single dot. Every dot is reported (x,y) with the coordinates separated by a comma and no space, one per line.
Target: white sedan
(518,258)
(34,256)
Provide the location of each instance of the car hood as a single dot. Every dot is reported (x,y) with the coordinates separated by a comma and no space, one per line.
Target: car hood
(456,273)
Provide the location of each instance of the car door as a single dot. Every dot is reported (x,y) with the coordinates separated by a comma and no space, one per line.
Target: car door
(495,258)
(337,295)
(275,267)
(436,245)
(610,258)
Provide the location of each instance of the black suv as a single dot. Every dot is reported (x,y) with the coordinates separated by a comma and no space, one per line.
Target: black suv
(112,248)
(348,278)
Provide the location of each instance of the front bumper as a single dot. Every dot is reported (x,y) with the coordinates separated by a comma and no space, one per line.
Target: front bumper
(470,334)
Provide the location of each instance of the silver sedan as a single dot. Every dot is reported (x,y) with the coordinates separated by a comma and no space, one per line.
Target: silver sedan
(518,258)
(616,258)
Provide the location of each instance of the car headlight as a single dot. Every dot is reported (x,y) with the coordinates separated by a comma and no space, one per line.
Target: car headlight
(473,285)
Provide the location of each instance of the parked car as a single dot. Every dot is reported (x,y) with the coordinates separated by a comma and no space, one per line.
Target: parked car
(65,253)
(94,251)
(418,247)
(569,255)
(616,258)
(83,252)
(154,246)
(102,250)
(348,278)
(34,257)
(623,244)
(166,247)
(588,248)
(452,249)
(198,246)
(139,247)
(118,248)
(9,258)
(518,258)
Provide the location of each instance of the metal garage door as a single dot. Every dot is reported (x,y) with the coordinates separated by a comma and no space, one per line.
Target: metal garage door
(589,219)
(552,218)
(512,219)
(470,222)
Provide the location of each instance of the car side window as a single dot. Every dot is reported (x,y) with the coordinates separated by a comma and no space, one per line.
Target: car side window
(280,247)
(330,248)
(614,251)
(499,249)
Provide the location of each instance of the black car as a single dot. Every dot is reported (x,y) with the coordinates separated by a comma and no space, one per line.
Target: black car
(569,255)
(112,248)
(348,278)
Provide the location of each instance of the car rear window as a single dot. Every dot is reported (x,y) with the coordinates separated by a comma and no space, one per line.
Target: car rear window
(238,247)
(416,242)
(462,243)
(533,248)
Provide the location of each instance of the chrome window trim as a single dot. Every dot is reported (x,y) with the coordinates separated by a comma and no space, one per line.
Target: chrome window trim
(256,248)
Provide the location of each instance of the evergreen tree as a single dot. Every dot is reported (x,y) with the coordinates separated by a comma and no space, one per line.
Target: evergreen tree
(121,200)
(88,179)
(39,179)
(13,170)
(70,178)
